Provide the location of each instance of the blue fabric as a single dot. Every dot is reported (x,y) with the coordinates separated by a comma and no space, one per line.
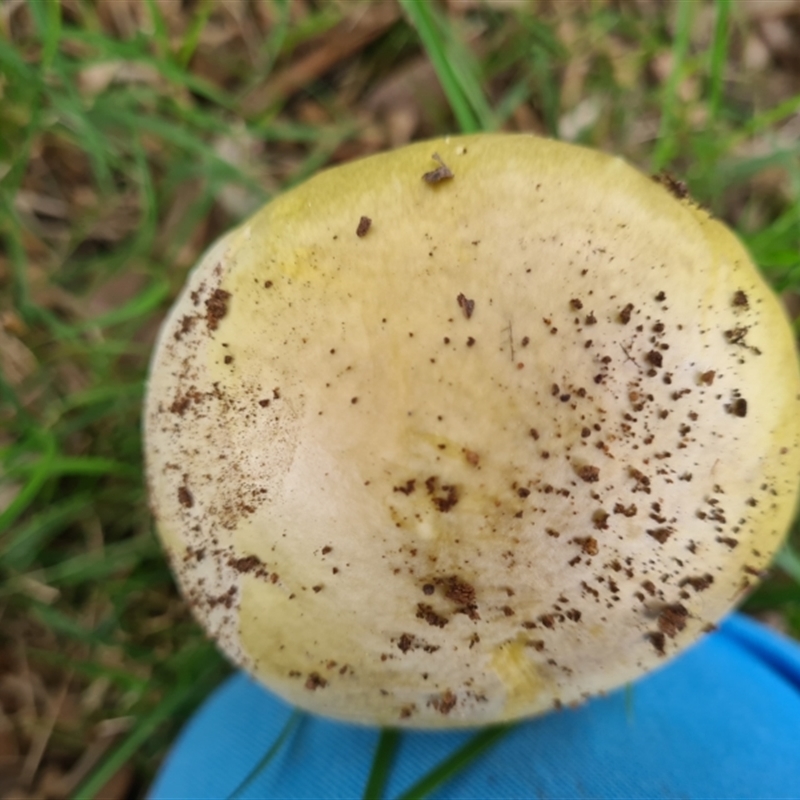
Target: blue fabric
(722,721)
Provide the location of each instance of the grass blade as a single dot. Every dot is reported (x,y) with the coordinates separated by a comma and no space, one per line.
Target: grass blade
(421,16)
(789,561)
(144,729)
(192,37)
(382,764)
(288,729)
(458,761)
(667,142)
(26,544)
(719,56)
(39,477)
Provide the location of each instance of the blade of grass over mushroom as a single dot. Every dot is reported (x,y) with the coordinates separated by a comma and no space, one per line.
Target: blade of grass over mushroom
(456,763)
(382,762)
(291,726)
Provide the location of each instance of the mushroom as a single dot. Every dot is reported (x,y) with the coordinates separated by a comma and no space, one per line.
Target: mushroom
(523,435)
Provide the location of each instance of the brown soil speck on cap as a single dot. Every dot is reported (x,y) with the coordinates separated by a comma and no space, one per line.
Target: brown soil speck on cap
(185,497)
(315,681)
(216,308)
(246,564)
(267,284)
(591,319)
(407,487)
(588,544)
(180,404)
(658,640)
(738,408)
(600,519)
(655,358)
(729,541)
(458,590)
(698,582)
(441,173)
(740,299)
(661,296)
(426,612)
(444,703)
(588,473)
(642,481)
(363,226)
(674,186)
(187,322)
(626,511)
(736,335)
(660,534)
(470,341)
(466,305)
(428,589)
(445,497)
(625,314)
(707,377)
(575,304)
(672,619)
(407,711)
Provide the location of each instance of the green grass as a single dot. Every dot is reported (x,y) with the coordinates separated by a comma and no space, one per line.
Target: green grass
(82,573)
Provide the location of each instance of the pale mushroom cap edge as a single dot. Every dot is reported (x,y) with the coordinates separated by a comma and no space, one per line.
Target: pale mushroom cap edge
(523,439)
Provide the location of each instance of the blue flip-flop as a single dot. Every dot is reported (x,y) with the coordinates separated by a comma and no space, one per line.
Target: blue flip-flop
(721,721)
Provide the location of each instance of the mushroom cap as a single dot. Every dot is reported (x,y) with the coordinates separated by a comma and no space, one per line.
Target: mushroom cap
(450,451)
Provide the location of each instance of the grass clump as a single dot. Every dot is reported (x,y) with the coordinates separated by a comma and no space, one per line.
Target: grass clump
(135,133)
